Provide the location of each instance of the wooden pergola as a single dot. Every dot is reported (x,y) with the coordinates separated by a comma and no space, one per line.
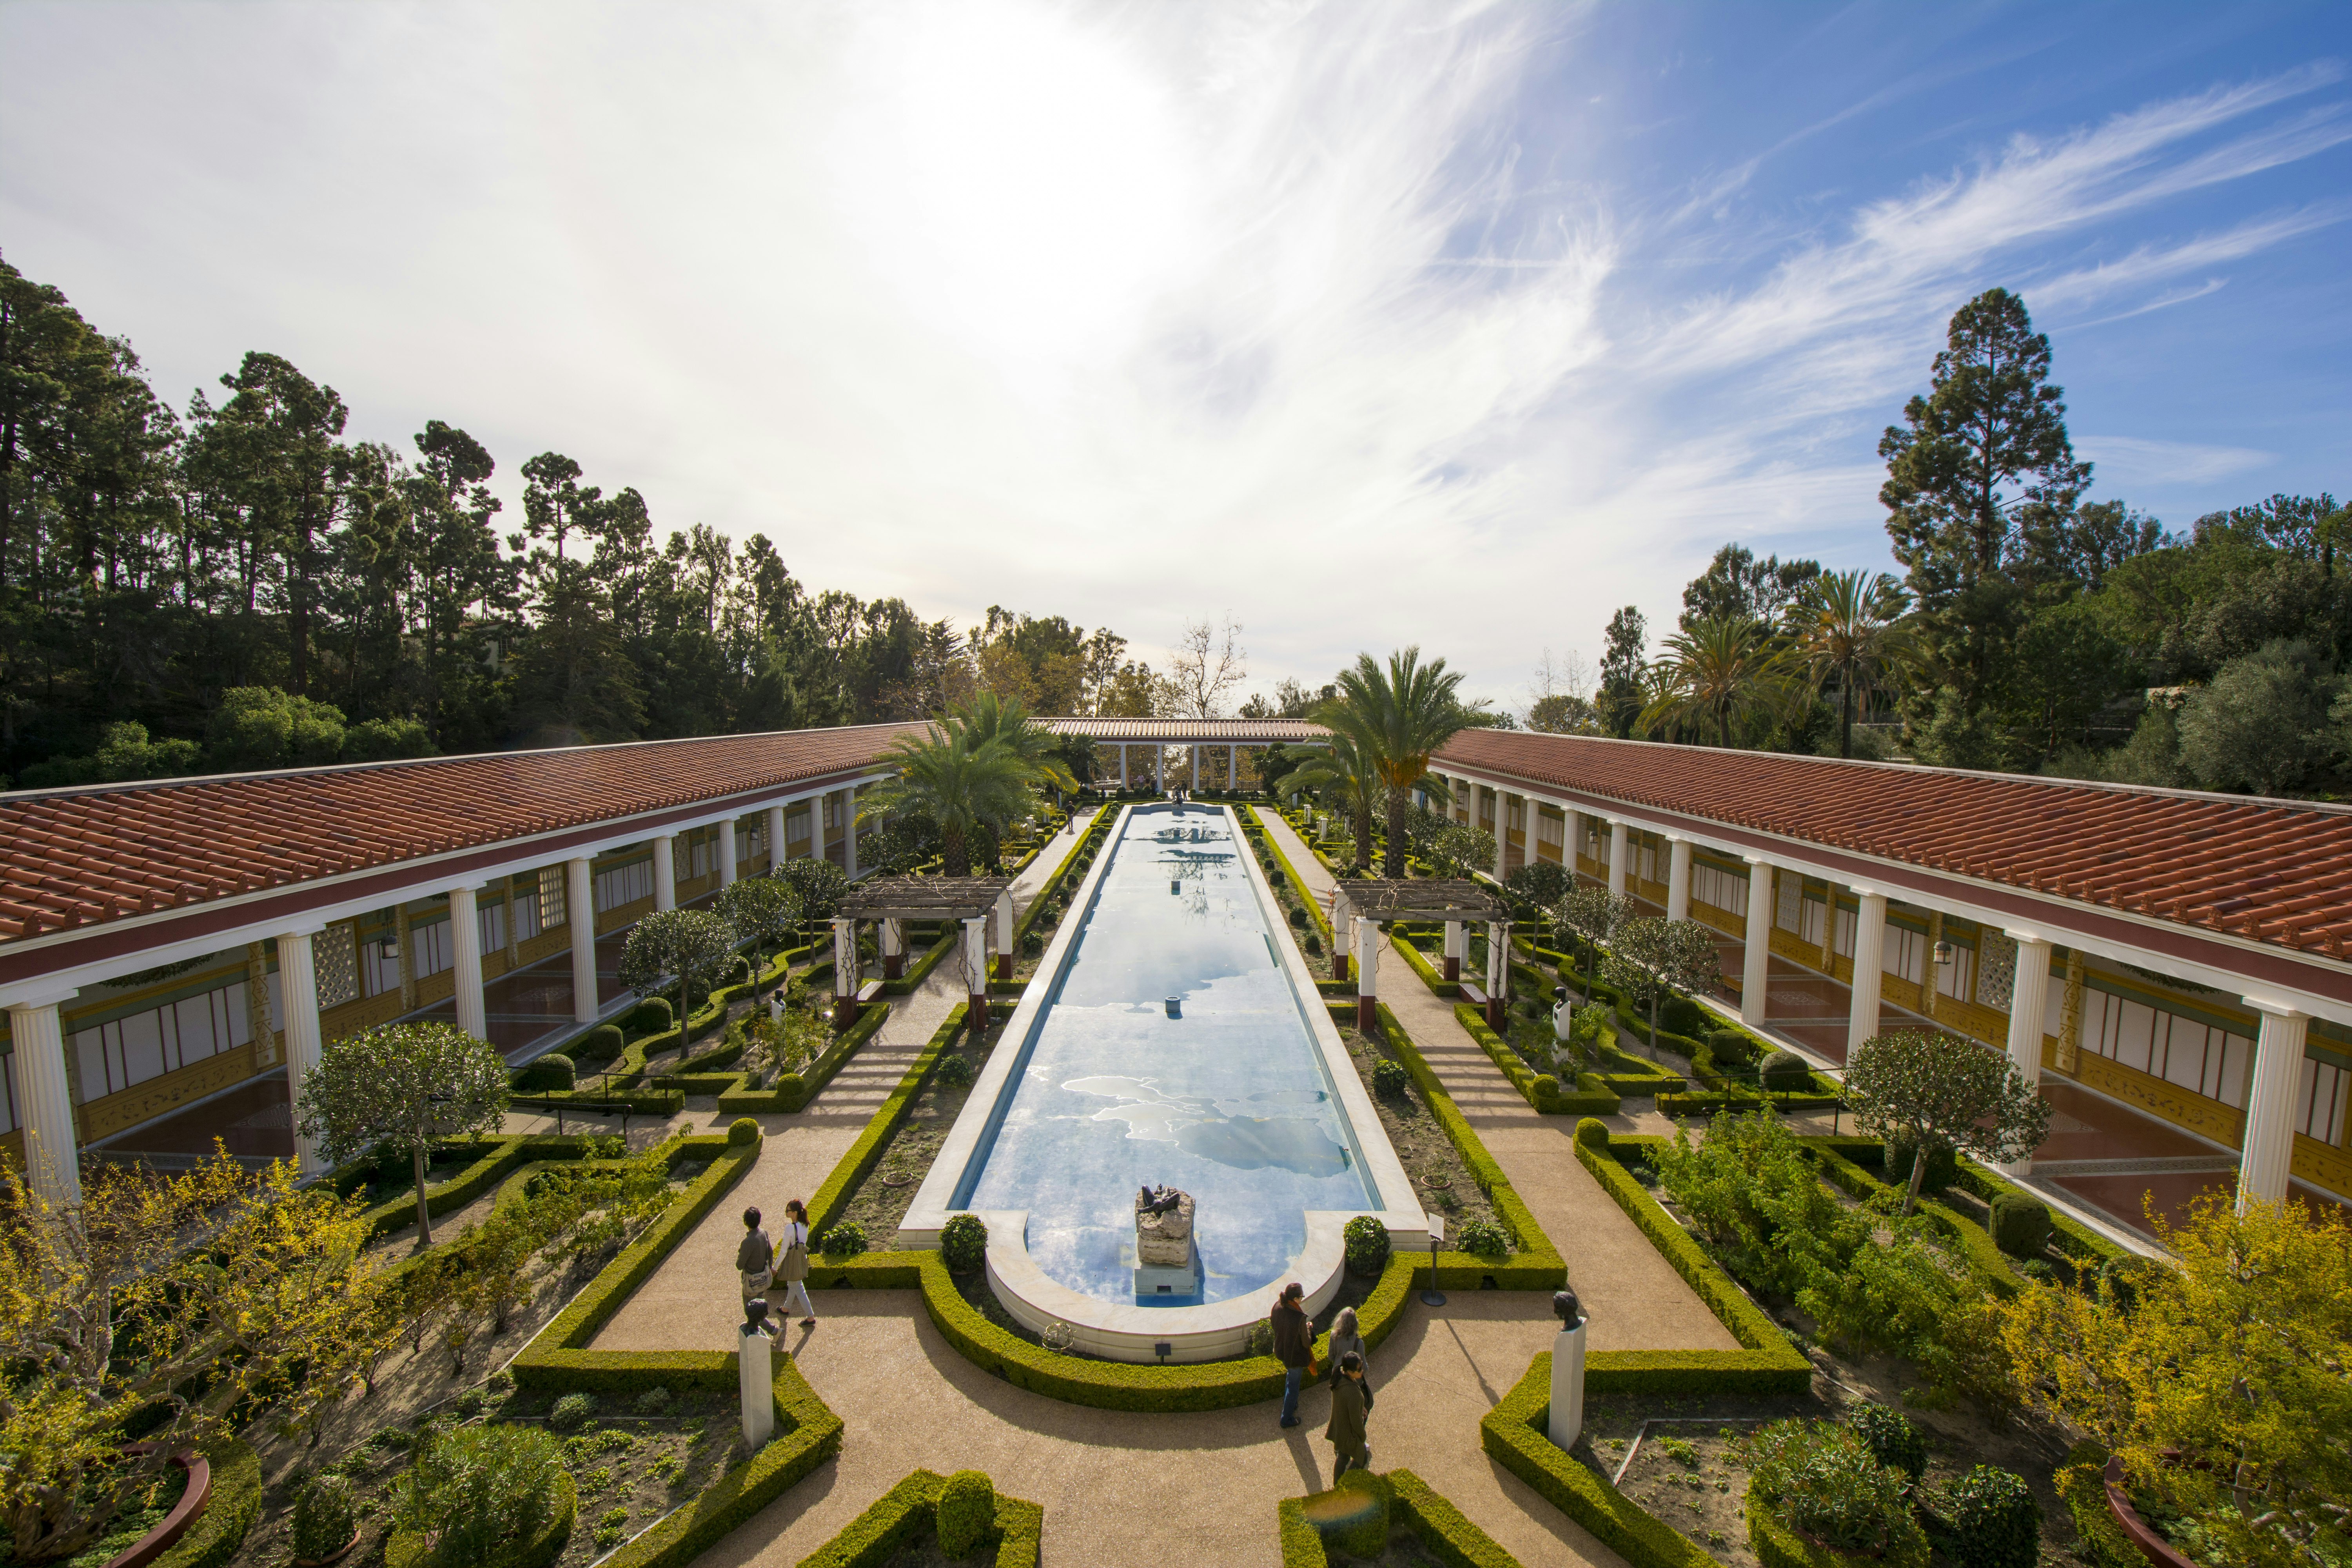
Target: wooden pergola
(1359,908)
(892,901)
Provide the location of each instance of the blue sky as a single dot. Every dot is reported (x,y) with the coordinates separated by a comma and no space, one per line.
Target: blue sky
(1365,324)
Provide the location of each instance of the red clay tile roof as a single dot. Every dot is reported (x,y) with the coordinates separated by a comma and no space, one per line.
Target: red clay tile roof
(81,856)
(2275,871)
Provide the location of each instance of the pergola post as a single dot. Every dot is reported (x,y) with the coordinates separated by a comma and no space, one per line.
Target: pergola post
(894,949)
(1004,935)
(1122,767)
(845,972)
(1368,973)
(975,972)
(1502,836)
(1342,935)
(1498,972)
(1458,947)
(1195,749)
(1232,769)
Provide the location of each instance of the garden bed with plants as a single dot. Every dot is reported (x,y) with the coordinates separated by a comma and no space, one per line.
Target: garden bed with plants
(1439,1174)
(879,1200)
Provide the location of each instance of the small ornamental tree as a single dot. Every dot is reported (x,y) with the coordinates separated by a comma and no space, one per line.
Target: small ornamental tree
(820,884)
(1932,1092)
(402,1087)
(1458,849)
(1654,959)
(2219,1383)
(194,1302)
(689,946)
(1539,882)
(1593,913)
(763,911)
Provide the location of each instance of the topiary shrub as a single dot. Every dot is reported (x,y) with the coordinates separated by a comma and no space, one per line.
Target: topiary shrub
(1787,1070)
(1943,1168)
(1353,1516)
(742,1130)
(1680,1015)
(738,972)
(966,1513)
(1390,1078)
(846,1239)
(956,1072)
(326,1517)
(1298,919)
(480,1492)
(1366,1243)
(550,1071)
(651,1017)
(601,1043)
(1545,1087)
(964,1243)
(1032,942)
(571,1412)
(1990,1520)
(1482,1236)
(1731,1048)
(2020,1224)
(1314,945)
(1891,1440)
(1592,1133)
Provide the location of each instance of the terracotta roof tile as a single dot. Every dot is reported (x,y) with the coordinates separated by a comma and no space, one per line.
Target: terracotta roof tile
(2276,871)
(72,858)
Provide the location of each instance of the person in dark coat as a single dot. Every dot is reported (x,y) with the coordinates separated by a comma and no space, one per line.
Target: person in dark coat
(1294,1346)
(1346,1429)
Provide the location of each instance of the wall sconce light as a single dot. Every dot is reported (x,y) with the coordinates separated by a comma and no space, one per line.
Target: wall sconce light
(1942,953)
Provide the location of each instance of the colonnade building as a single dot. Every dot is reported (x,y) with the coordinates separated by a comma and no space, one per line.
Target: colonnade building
(2171,966)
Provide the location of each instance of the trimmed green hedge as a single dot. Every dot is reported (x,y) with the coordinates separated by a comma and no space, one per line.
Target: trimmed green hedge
(1592,1097)
(1436,1524)
(906,984)
(1298,883)
(500,1158)
(1409,947)
(1514,1434)
(1769,1363)
(807,1434)
(2068,1234)
(229,1516)
(907,1510)
(854,1167)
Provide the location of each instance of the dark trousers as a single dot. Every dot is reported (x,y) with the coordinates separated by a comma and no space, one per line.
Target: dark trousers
(1292,1377)
(1361,1459)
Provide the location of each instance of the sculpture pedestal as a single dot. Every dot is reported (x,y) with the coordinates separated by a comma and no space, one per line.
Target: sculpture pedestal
(1566,1422)
(1166,1262)
(758,1379)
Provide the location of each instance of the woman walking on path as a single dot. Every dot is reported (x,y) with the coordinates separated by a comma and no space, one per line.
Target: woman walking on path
(793,1270)
(1347,1338)
(1346,1428)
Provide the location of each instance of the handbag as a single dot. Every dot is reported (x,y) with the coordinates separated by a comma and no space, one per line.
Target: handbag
(794,1267)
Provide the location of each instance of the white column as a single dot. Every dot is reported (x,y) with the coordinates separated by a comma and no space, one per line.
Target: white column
(297,1000)
(1159,769)
(1756,961)
(1457,946)
(1368,958)
(1004,935)
(894,948)
(1195,749)
(1620,850)
(1498,963)
(1678,879)
(727,852)
(466,945)
(2271,1093)
(1122,765)
(849,833)
(776,838)
(975,962)
(579,909)
(2029,996)
(1869,967)
(45,1101)
(664,870)
(1232,769)
(1502,834)
(845,956)
(1571,839)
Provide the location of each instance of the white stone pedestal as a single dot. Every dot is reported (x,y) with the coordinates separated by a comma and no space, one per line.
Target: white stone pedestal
(1567,1422)
(757,1380)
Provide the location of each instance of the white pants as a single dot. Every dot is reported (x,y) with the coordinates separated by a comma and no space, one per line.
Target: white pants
(798,1291)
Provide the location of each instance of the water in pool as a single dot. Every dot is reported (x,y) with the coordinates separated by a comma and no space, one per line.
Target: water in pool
(1224,1093)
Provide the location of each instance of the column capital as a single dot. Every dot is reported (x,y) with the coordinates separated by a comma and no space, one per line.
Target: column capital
(2275,1009)
(1757,860)
(2022,937)
(33,996)
(304,928)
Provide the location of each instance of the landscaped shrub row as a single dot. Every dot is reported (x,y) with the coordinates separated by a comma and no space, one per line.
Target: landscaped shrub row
(792,1091)
(499,1159)
(1769,1363)
(1298,883)
(1090,843)
(854,1167)
(1514,1434)
(1016,1528)
(1679,1100)
(1984,1259)
(1441,1526)
(1537,1265)
(1589,1098)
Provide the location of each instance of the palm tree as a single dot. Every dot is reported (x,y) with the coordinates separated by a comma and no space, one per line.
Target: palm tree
(991,717)
(966,788)
(1845,625)
(1341,775)
(1398,718)
(1714,672)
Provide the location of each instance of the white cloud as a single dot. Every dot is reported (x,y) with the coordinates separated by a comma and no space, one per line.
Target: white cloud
(2128,460)
(1130,314)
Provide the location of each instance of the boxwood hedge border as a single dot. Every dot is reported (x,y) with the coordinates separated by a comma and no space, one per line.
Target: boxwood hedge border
(1591,1096)
(895,1518)
(1445,1530)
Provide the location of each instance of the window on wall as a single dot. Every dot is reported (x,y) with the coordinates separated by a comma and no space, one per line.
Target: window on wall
(335,964)
(1958,979)
(492,918)
(8,1118)
(1791,892)
(528,914)
(2320,1111)
(125,1052)
(1906,952)
(702,855)
(796,824)
(434,950)
(1647,860)
(2181,1050)
(755,842)
(552,899)
(1724,889)
(380,962)
(1519,819)
(1549,829)
(1844,945)
(626,884)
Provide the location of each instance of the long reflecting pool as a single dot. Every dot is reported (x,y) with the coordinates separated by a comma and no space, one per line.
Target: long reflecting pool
(1171,1049)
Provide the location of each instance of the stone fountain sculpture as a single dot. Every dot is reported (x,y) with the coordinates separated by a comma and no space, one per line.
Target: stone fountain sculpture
(1166,1261)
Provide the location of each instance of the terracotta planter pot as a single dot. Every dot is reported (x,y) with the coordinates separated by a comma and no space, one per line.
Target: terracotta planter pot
(335,1556)
(191,1508)
(2152,1546)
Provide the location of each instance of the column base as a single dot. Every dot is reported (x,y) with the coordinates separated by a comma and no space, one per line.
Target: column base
(844,1012)
(2015,1169)
(1338,966)
(1453,969)
(975,1015)
(1004,967)
(894,965)
(1498,1013)
(1368,1013)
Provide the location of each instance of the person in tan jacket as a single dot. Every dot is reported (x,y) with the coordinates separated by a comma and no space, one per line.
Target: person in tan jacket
(1346,1429)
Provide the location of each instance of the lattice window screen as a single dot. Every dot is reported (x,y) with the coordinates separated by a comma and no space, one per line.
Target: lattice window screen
(335,958)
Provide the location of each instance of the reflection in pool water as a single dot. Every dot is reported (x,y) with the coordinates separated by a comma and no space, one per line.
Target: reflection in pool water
(1223,1095)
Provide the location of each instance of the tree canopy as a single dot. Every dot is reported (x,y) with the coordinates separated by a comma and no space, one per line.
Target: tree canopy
(402,1088)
